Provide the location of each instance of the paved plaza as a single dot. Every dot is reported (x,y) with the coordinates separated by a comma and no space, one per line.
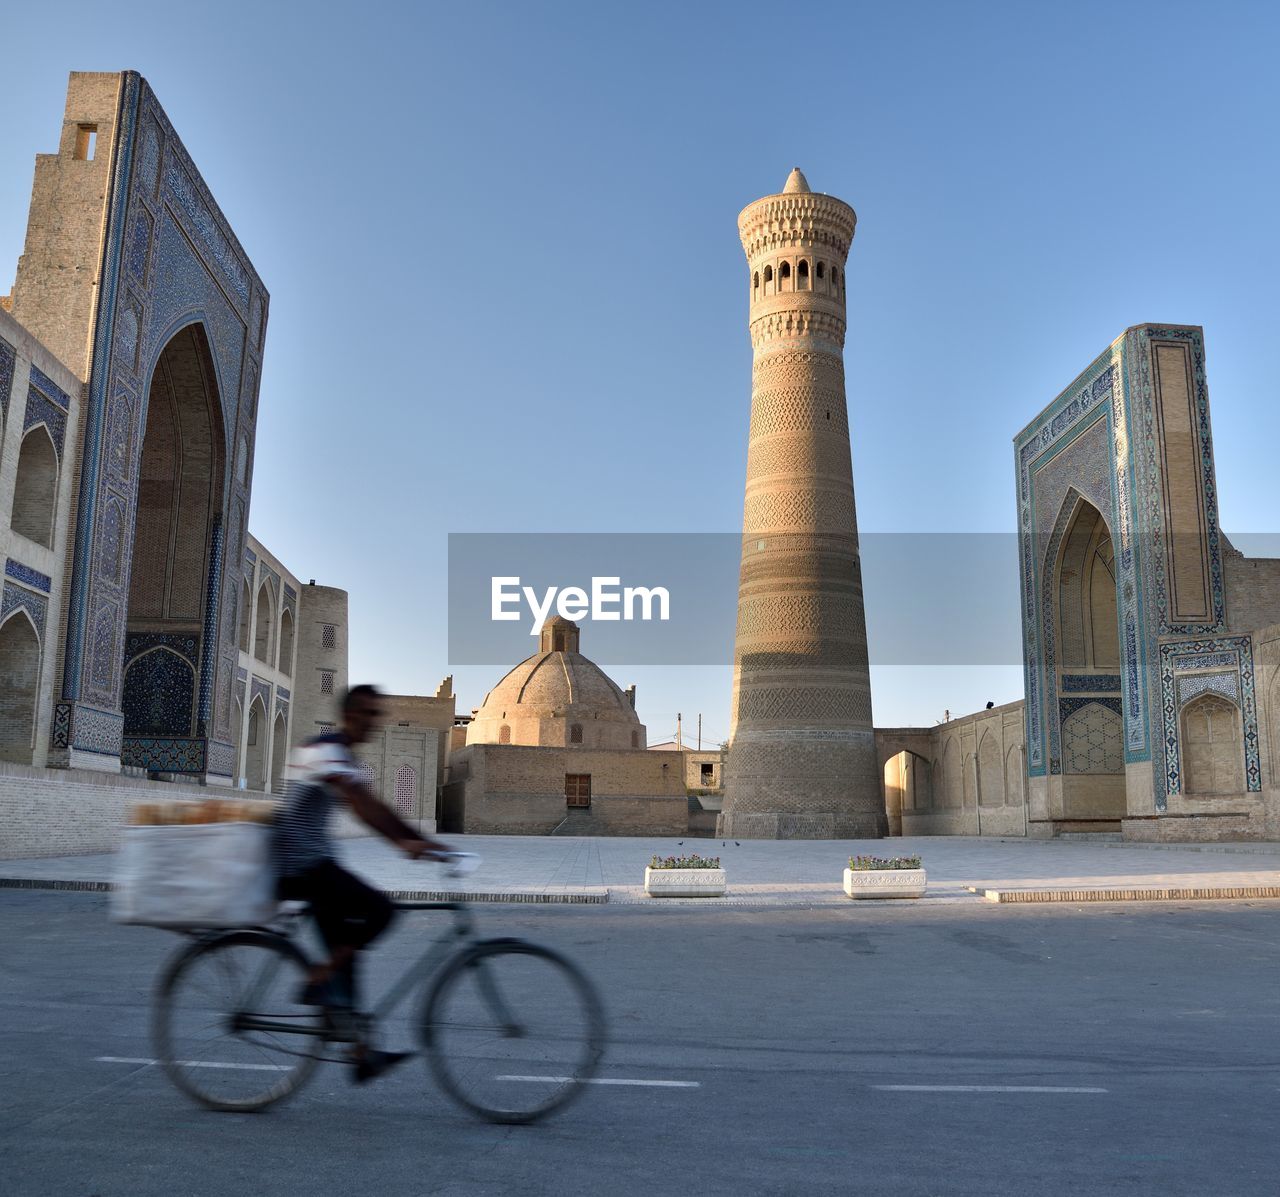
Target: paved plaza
(766,872)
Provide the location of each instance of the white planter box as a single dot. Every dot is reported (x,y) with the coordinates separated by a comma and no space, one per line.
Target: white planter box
(884,883)
(684,883)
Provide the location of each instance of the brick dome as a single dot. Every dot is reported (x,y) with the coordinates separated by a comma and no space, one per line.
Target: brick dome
(558,698)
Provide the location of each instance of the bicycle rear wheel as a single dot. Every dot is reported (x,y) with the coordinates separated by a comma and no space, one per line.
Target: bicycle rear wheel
(512,1030)
(202,1021)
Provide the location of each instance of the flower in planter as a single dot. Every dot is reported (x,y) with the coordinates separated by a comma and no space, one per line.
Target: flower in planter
(862,864)
(685,862)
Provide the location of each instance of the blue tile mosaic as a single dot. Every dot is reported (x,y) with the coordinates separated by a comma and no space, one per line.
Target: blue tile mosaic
(28,576)
(42,410)
(159,693)
(15,598)
(1093,683)
(8,359)
(164,754)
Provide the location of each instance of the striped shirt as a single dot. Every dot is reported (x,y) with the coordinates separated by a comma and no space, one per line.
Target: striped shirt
(302,836)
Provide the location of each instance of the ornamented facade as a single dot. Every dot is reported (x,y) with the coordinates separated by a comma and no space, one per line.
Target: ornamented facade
(141,629)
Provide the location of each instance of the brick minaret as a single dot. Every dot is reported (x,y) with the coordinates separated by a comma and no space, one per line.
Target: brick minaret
(802,758)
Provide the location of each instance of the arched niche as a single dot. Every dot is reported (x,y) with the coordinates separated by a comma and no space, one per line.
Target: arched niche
(35,492)
(1212,742)
(180,492)
(19,687)
(279,749)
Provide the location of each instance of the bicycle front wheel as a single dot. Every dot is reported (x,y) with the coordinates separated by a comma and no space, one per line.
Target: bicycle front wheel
(512,1030)
(226,1025)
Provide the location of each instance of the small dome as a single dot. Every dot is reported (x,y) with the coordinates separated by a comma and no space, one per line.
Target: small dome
(796,182)
(557,698)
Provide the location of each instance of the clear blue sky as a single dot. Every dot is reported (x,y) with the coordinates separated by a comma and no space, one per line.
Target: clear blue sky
(501,246)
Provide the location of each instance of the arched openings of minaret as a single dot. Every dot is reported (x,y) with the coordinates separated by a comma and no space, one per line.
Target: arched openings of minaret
(768,280)
(755,285)
(802,275)
(821,272)
(784,277)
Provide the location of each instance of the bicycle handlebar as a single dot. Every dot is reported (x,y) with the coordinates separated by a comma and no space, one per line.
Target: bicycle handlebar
(461,863)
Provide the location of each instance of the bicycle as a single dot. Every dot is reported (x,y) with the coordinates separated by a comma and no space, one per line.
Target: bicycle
(512,1030)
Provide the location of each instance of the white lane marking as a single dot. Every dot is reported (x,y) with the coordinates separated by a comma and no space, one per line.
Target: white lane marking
(992,1088)
(562,1080)
(195,1064)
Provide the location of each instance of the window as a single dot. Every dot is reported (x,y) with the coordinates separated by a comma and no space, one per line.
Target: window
(755,283)
(708,774)
(326,682)
(86,142)
(368,775)
(328,636)
(820,270)
(802,282)
(577,789)
(407,791)
(575,734)
(504,734)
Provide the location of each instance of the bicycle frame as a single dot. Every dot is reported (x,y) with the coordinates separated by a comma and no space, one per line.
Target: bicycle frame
(441,948)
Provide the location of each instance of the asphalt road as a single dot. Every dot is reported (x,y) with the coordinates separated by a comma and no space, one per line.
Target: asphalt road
(791,1023)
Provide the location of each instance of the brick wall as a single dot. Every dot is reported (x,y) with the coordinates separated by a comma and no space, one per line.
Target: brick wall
(520,790)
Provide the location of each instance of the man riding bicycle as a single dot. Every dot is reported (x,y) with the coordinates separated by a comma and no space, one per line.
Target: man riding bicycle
(349,913)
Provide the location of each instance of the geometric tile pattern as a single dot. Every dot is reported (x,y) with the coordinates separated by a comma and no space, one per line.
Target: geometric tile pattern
(41,409)
(1093,740)
(1092,683)
(8,358)
(1226,684)
(26,575)
(164,754)
(14,598)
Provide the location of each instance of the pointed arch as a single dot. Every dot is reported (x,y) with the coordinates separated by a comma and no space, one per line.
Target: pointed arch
(279,746)
(1085,585)
(952,783)
(181,473)
(1212,746)
(19,686)
(255,749)
(990,771)
(237,736)
(246,605)
(284,657)
(262,621)
(159,693)
(35,492)
(1014,776)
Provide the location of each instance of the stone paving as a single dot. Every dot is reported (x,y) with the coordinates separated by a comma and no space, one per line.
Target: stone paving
(764,872)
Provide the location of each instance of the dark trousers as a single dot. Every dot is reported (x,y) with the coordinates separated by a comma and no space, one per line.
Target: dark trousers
(348,912)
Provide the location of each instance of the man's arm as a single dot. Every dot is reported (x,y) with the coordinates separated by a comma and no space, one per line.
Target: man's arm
(377,815)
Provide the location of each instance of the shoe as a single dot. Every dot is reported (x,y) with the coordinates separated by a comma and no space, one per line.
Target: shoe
(374,1063)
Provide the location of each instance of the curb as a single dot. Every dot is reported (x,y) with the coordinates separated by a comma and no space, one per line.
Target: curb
(1178,893)
(401,895)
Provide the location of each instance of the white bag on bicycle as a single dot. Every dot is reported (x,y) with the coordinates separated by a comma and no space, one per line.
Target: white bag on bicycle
(197,875)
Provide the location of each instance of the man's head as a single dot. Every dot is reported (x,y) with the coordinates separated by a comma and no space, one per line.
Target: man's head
(361,712)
